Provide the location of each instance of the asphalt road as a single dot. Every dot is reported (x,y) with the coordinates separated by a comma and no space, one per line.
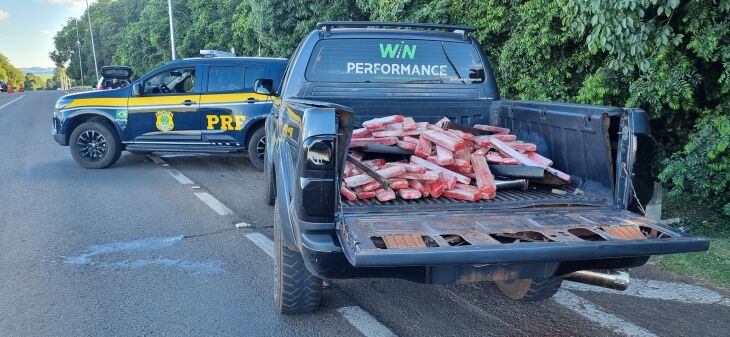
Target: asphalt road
(141,249)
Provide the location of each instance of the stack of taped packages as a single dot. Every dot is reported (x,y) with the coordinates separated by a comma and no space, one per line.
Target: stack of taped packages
(444,163)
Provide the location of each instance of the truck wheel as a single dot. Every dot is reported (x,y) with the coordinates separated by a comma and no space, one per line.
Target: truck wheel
(530,289)
(296,289)
(257,148)
(270,184)
(95,145)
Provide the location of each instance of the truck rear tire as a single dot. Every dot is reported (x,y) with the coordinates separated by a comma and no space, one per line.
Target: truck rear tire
(95,145)
(530,289)
(257,148)
(296,289)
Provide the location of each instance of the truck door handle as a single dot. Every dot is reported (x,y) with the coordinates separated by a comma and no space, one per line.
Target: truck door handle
(251,100)
(188,102)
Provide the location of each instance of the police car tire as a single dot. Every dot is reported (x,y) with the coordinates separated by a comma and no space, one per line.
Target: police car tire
(535,289)
(296,289)
(114,146)
(252,142)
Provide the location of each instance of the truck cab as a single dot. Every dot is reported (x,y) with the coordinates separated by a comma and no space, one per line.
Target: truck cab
(527,241)
(203,105)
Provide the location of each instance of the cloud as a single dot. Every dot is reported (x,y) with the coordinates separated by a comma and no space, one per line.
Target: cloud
(4,15)
(45,32)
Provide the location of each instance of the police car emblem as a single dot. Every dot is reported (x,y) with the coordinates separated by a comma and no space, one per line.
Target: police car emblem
(164,121)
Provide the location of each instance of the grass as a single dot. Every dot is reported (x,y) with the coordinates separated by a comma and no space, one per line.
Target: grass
(712,266)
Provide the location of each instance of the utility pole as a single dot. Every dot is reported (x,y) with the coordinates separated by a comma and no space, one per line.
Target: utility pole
(93,48)
(172,28)
(78,44)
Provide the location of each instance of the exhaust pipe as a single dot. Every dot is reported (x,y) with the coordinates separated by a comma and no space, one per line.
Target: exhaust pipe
(611,279)
(507,184)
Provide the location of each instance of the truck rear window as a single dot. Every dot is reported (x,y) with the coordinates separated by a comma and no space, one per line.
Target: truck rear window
(395,61)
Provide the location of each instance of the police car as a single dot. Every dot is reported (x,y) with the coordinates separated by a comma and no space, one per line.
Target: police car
(205,105)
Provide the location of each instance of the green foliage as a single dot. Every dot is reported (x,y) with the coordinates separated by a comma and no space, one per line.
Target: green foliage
(9,74)
(33,82)
(702,168)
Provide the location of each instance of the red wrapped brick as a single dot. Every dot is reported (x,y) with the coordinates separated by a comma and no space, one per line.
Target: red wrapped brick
(471,188)
(462,170)
(379,122)
(495,158)
(355,142)
(481,151)
(409,124)
(444,156)
(536,157)
(444,171)
(508,150)
(409,193)
(366,195)
(462,194)
(361,133)
(441,138)
(410,168)
(348,193)
(435,188)
(406,145)
(397,183)
(463,153)
(362,179)
(462,163)
(485,140)
(419,186)
(490,128)
(449,181)
(523,147)
(428,176)
(374,162)
(397,133)
(410,139)
(435,160)
(372,186)
(463,135)
(385,194)
(441,122)
(424,147)
(485,179)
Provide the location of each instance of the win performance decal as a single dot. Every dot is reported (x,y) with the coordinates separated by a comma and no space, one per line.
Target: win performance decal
(395,52)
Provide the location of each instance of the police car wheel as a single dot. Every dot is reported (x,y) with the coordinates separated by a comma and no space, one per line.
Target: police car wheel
(95,145)
(257,148)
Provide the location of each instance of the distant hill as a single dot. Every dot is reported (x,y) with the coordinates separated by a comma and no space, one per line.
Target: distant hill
(37,70)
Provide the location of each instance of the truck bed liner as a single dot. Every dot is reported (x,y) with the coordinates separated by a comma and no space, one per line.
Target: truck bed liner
(536,195)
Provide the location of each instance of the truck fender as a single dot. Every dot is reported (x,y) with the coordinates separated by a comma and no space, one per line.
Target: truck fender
(88,114)
(282,195)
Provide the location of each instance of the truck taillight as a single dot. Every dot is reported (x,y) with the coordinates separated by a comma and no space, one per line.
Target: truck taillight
(317,175)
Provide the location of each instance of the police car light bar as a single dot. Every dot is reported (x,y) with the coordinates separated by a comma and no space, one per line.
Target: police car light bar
(215,53)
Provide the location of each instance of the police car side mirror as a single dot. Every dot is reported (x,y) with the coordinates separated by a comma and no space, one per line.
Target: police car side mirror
(136,89)
(264,86)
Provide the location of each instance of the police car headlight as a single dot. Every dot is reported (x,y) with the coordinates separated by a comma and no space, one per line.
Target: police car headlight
(62,103)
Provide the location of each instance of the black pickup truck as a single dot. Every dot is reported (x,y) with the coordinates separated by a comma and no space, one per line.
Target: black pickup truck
(528,242)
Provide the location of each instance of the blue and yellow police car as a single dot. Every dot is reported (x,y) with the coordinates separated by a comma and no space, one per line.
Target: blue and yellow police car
(205,104)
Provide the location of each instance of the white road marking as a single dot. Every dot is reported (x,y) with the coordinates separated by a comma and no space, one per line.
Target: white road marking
(213,203)
(357,316)
(11,102)
(364,322)
(181,178)
(596,314)
(243,225)
(263,242)
(661,290)
(156,159)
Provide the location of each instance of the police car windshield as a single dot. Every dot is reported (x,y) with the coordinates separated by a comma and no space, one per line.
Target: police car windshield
(395,61)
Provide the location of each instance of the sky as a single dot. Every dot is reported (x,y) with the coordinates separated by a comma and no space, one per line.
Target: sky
(27,28)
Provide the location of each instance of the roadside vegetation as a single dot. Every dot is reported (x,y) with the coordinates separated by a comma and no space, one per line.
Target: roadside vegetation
(668,57)
(9,74)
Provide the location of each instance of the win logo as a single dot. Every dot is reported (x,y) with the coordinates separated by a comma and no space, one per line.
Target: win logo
(402,50)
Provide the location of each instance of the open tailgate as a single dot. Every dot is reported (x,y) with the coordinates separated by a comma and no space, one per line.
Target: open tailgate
(443,238)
